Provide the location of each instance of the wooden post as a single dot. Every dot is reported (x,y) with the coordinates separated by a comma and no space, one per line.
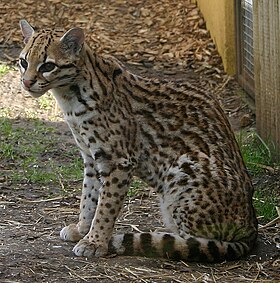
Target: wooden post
(267,69)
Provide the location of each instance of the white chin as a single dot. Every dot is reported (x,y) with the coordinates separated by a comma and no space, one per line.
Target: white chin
(35,94)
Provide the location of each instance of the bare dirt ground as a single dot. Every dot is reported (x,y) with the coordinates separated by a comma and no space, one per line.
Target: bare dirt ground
(154,39)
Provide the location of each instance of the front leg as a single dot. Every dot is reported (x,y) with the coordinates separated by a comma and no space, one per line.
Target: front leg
(112,195)
(88,203)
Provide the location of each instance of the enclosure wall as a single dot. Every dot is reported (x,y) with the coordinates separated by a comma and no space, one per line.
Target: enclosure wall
(267,69)
(219,17)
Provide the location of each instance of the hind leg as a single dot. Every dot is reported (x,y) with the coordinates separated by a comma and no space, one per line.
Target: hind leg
(176,209)
(166,208)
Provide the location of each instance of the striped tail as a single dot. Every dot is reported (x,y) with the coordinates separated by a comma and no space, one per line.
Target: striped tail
(174,247)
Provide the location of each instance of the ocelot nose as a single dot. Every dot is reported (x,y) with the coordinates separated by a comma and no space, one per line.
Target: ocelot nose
(28,83)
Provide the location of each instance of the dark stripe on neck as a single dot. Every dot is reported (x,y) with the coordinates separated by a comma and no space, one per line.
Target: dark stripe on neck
(93,64)
(104,73)
(76,90)
(116,73)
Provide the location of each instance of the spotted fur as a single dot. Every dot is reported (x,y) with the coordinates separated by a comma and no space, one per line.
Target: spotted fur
(176,138)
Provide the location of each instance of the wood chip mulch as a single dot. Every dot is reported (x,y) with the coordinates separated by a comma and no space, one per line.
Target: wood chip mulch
(168,36)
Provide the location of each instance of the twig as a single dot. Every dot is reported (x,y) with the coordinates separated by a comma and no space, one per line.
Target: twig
(144,269)
(268,168)
(8,37)
(258,273)
(74,273)
(60,182)
(259,200)
(9,57)
(233,267)
(18,223)
(130,271)
(40,200)
(6,202)
(264,144)
(278,210)
(130,225)
(213,276)
(224,84)
(272,222)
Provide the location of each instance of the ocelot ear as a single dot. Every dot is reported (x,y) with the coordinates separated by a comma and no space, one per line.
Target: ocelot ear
(72,40)
(26,29)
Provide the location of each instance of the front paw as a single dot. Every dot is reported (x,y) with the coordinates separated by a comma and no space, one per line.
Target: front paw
(71,233)
(89,249)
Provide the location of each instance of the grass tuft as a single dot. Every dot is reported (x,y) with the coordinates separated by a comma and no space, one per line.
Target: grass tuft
(4,69)
(46,101)
(259,159)
(265,205)
(136,186)
(256,153)
(31,154)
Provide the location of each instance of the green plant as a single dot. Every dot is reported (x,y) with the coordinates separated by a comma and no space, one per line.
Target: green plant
(136,185)
(4,69)
(256,152)
(32,155)
(6,149)
(46,102)
(258,157)
(265,205)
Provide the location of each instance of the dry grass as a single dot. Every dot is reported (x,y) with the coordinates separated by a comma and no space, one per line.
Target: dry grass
(31,250)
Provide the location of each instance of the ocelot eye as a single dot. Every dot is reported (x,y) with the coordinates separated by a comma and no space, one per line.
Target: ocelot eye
(47,67)
(23,63)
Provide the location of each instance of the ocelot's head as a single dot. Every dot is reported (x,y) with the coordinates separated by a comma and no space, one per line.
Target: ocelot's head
(50,58)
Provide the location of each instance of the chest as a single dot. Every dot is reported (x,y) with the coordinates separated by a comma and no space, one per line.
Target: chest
(77,112)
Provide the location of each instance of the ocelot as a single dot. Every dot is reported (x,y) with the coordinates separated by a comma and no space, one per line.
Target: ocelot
(176,138)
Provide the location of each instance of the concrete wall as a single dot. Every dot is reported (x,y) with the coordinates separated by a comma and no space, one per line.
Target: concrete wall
(219,17)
